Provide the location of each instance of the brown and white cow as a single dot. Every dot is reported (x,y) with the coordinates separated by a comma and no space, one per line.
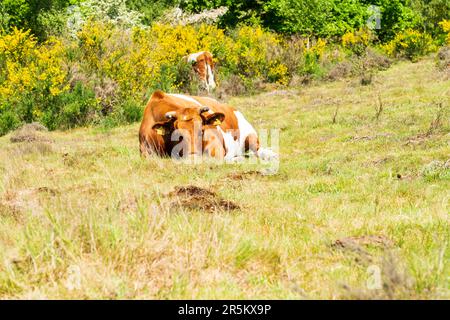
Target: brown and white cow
(203,65)
(204,125)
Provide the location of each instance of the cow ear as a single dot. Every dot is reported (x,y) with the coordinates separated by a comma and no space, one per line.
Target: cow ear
(162,128)
(158,94)
(215,119)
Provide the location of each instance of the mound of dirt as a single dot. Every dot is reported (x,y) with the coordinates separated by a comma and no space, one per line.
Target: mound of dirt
(374,240)
(244,175)
(358,245)
(30,132)
(196,198)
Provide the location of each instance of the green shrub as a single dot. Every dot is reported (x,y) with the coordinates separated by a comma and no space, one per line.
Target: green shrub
(8,121)
(132,111)
(410,44)
(74,108)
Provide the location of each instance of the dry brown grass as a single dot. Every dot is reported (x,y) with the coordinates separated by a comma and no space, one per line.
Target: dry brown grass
(89,218)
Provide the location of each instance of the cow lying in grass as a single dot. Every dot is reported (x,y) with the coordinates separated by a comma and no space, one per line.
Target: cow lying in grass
(180,126)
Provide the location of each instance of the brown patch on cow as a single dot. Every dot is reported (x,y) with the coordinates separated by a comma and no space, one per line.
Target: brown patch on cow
(196,198)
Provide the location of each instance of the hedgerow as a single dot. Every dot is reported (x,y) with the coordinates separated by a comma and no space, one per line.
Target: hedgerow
(107,68)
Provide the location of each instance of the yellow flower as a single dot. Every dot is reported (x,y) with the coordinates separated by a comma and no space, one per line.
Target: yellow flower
(445,24)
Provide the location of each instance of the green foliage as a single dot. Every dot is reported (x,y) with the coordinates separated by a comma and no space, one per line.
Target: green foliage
(152,9)
(431,13)
(328,18)
(319,18)
(323,18)
(9,120)
(72,109)
(397,16)
(37,15)
(108,64)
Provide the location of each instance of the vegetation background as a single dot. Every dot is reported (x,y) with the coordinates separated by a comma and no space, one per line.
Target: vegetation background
(68,63)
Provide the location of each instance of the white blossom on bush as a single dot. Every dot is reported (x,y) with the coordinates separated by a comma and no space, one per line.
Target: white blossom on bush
(177,16)
(114,11)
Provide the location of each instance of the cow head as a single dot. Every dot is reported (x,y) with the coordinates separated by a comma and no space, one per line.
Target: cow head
(203,65)
(213,144)
(185,128)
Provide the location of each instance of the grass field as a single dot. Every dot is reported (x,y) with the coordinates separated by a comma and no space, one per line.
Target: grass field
(361,196)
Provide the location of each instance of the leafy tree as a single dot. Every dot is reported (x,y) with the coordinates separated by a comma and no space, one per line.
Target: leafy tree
(431,13)
(396,16)
(315,17)
(308,17)
(26,14)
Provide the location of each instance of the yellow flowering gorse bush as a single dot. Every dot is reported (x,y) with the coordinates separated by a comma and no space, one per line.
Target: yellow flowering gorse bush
(144,58)
(107,69)
(410,44)
(28,66)
(357,41)
(445,24)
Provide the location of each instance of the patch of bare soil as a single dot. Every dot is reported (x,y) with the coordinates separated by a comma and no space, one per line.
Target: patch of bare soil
(380,161)
(32,132)
(370,138)
(281,93)
(196,198)
(418,139)
(359,244)
(244,175)
(15,203)
(371,240)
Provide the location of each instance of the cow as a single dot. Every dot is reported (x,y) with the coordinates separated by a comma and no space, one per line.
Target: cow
(181,125)
(203,65)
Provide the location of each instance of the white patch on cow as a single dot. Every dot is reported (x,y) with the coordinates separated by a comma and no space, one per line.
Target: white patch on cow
(232,147)
(210,83)
(192,58)
(236,148)
(186,98)
(245,129)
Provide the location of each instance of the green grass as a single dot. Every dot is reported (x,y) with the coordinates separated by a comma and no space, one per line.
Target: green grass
(87,217)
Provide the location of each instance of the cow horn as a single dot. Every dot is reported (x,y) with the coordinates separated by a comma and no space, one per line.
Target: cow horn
(204,109)
(170,115)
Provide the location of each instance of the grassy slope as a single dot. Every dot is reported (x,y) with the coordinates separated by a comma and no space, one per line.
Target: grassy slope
(102,227)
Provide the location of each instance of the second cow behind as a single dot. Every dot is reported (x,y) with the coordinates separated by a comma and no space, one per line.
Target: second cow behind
(203,65)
